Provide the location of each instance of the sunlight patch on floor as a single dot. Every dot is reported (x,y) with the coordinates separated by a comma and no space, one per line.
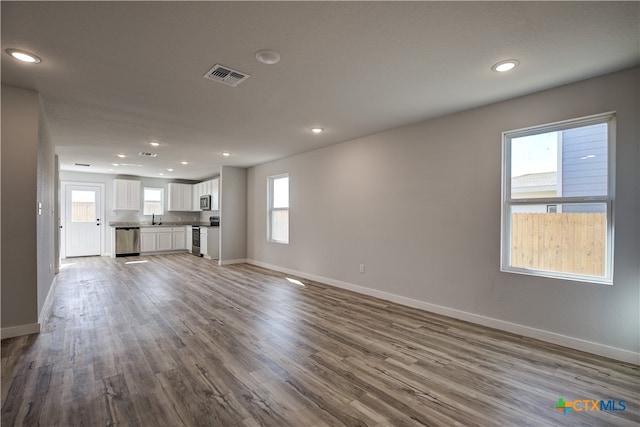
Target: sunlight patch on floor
(136,262)
(295,282)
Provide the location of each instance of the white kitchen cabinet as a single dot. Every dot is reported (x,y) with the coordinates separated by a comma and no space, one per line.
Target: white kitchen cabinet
(179,238)
(214,191)
(164,239)
(180,197)
(148,240)
(126,195)
(211,188)
(203,241)
(157,239)
(197,192)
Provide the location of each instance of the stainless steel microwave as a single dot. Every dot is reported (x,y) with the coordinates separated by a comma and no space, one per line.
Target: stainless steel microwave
(205,202)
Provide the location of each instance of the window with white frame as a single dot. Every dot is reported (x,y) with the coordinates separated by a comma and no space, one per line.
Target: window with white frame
(557,199)
(153,201)
(278,209)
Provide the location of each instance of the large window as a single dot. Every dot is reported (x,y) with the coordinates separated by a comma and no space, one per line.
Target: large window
(278,209)
(153,201)
(557,200)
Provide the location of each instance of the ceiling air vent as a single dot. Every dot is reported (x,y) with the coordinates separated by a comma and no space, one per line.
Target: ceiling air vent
(86,165)
(145,154)
(226,75)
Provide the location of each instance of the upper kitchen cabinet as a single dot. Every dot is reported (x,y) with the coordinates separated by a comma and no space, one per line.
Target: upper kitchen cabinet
(197,192)
(181,197)
(207,188)
(126,195)
(213,190)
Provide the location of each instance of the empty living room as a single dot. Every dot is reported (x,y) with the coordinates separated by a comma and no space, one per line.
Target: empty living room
(320,213)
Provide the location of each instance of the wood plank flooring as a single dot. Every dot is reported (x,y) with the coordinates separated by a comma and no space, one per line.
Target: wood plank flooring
(175,340)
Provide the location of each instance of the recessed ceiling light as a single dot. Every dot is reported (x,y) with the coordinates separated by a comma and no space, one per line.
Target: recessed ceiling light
(155,144)
(160,173)
(115,164)
(268,56)
(23,56)
(122,156)
(170,170)
(184,163)
(226,154)
(317,130)
(507,65)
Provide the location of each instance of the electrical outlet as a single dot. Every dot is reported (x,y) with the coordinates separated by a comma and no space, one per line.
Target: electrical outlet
(361,268)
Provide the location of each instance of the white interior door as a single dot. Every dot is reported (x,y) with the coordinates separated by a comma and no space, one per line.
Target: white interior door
(82,220)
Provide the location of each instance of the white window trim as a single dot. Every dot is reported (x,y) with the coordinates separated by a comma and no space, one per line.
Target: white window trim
(271,209)
(162,198)
(507,201)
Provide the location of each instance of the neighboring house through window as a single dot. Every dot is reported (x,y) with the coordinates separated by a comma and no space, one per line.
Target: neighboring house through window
(557,200)
(278,209)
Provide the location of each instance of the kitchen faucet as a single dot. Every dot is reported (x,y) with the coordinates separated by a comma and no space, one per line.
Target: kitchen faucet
(153,219)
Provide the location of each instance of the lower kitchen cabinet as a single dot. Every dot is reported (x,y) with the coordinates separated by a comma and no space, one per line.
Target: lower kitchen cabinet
(203,242)
(179,238)
(157,239)
(210,242)
(147,240)
(164,240)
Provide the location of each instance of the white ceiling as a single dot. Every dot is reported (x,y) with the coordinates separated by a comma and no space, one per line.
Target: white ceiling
(117,75)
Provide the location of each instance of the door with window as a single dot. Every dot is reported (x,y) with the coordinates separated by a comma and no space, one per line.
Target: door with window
(83,220)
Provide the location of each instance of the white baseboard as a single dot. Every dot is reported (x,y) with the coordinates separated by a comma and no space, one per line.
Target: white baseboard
(16,331)
(48,302)
(527,331)
(234,261)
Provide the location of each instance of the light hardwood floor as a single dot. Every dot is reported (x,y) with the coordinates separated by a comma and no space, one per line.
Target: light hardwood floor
(178,341)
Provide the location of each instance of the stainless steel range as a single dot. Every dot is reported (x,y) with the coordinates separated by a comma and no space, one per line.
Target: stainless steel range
(195,240)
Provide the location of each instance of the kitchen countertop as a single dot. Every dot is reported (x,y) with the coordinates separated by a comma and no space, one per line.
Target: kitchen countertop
(164,224)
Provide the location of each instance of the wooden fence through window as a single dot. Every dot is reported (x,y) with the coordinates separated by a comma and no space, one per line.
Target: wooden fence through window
(83,212)
(566,242)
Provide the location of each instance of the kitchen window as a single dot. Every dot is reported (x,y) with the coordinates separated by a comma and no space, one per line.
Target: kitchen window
(278,209)
(557,200)
(153,201)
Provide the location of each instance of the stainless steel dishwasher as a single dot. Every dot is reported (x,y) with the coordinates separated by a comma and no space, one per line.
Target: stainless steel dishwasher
(127,241)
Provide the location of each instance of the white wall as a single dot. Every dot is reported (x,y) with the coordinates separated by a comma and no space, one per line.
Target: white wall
(20,116)
(233,214)
(420,207)
(47,216)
